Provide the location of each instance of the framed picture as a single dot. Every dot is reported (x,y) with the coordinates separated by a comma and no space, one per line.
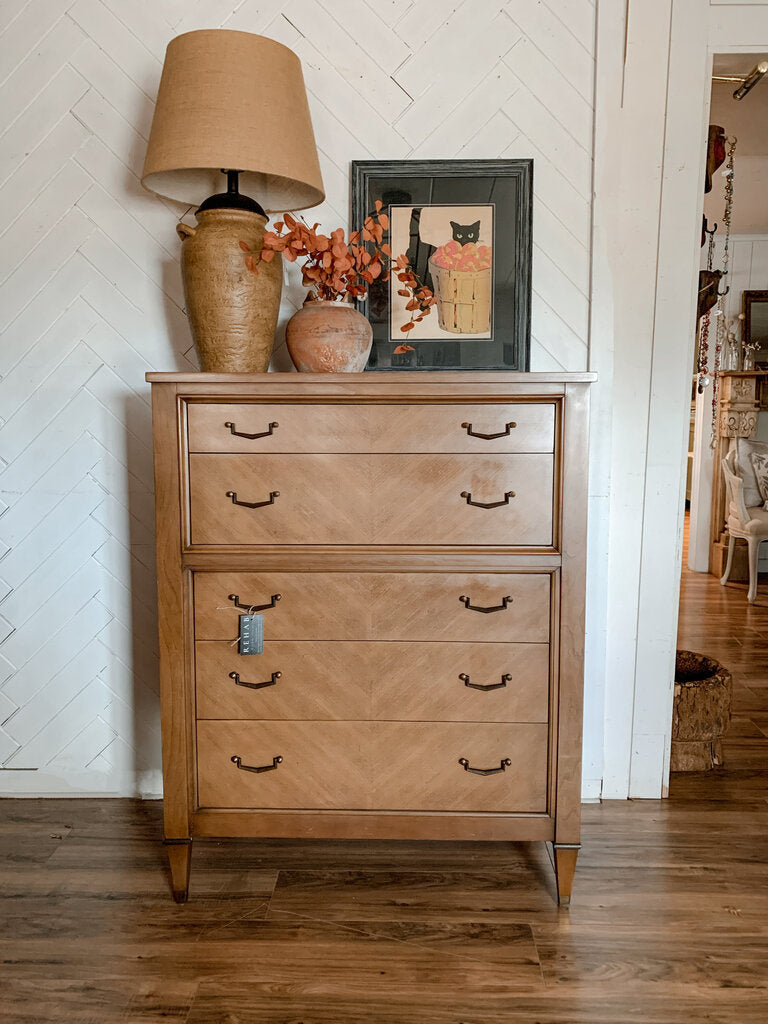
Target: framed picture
(755,309)
(465,227)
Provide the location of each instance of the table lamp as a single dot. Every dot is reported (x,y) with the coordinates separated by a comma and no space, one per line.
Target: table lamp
(232,103)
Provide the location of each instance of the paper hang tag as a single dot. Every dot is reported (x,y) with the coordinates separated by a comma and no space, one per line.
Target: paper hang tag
(251,634)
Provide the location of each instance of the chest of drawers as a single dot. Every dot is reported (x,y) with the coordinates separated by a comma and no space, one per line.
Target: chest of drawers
(415,544)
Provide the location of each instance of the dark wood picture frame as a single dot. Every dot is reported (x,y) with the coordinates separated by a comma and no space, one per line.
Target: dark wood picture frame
(748,300)
(504,185)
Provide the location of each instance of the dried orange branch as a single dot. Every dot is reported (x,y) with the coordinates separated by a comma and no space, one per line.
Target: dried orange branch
(335,267)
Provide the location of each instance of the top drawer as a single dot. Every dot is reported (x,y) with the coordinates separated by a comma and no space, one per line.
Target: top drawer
(478,428)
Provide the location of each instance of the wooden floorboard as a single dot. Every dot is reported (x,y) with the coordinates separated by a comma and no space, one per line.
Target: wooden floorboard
(668,925)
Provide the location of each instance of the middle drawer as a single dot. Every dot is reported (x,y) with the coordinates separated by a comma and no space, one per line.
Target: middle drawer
(482,607)
(374,681)
(372,499)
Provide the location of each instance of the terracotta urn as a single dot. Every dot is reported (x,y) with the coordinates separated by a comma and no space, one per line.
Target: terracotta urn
(232,312)
(328,337)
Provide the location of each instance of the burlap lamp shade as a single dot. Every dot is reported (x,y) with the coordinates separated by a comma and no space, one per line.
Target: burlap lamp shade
(232,101)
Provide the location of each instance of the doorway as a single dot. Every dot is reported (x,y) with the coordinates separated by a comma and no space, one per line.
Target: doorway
(744,253)
(715,620)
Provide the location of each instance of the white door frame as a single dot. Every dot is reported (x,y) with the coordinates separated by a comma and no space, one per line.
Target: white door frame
(665,93)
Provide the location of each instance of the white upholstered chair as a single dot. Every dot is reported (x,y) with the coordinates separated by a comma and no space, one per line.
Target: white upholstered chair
(747,522)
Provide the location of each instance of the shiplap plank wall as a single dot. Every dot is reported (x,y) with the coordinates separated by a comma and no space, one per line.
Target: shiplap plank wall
(90,298)
(748,267)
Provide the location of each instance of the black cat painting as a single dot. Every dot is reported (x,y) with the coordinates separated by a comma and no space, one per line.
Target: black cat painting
(419,252)
(449,248)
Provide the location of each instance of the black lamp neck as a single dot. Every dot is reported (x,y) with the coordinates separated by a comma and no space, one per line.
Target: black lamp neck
(232,199)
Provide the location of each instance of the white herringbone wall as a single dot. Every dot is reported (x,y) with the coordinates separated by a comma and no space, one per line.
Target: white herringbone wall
(90,299)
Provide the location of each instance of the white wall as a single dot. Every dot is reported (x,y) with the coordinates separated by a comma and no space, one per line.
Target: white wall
(748,264)
(750,213)
(91,298)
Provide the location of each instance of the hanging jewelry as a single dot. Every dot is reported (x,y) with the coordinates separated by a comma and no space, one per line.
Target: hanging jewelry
(721,329)
(702,367)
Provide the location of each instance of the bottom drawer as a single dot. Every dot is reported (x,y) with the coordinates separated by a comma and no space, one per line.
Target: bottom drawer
(372,766)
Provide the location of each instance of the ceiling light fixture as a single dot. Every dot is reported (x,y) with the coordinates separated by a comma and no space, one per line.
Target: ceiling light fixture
(746,82)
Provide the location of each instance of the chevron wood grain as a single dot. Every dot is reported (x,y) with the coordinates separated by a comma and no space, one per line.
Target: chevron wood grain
(300,780)
(390,760)
(378,606)
(328,428)
(417,768)
(392,681)
(348,499)
(90,298)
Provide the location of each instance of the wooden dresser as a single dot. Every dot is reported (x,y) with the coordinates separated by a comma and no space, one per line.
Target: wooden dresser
(415,543)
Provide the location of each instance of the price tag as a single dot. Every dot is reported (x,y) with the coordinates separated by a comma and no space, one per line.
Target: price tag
(251,639)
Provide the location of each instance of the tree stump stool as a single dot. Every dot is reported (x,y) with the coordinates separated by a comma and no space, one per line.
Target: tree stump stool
(702,711)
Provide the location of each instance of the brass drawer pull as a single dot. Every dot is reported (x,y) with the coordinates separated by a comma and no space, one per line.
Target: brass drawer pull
(481,771)
(235,598)
(486,611)
(254,504)
(489,437)
(487,504)
(480,686)
(251,437)
(258,769)
(256,686)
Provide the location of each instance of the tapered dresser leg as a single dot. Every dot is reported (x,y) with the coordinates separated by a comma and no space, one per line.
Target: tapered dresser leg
(180,859)
(565,868)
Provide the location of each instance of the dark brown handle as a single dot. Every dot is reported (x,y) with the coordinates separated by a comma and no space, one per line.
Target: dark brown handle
(256,686)
(485,687)
(489,437)
(251,437)
(487,504)
(483,771)
(235,598)
(253,504)
(486,611)
(257,769)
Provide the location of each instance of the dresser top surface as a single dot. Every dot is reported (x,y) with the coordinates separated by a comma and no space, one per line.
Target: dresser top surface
(419,377)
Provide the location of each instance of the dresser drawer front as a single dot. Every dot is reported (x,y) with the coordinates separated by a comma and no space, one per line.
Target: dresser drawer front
(373,766)
(372,499)
(372,427)
(322,765)
(374,681)
(418,769)
(378,606)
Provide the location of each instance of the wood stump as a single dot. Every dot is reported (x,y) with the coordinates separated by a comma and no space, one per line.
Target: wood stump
(702,711)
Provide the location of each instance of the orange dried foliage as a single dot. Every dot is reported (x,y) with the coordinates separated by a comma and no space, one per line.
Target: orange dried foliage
(336,268)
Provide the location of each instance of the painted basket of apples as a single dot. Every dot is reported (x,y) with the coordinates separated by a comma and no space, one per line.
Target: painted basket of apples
(461,278)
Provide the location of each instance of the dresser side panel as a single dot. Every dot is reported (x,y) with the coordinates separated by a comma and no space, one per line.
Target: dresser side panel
(174,610)
(571,613)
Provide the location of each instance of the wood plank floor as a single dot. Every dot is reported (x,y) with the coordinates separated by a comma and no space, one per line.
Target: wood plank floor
(669,922)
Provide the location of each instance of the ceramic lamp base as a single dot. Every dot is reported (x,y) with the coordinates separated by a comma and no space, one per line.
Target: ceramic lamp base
(232,311)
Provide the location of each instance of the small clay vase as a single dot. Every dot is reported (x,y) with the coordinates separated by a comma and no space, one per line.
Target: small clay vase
(328,337)
(232,312)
